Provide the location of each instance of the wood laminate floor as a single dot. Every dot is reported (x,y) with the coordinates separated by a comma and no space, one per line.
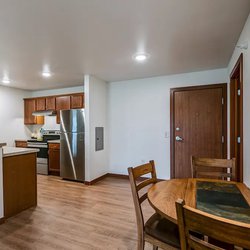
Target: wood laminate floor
(72,216)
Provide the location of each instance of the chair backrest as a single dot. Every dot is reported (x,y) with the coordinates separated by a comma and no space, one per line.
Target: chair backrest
(225,230)
(213,168)
(135,175)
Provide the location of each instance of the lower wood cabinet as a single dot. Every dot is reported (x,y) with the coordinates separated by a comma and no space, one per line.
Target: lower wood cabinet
(21,144)
(19,183)
(54,159)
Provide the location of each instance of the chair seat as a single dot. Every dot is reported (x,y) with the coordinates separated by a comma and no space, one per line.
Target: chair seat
(163,230)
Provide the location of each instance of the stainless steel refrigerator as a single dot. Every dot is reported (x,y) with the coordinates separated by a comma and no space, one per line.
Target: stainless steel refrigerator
(72,151)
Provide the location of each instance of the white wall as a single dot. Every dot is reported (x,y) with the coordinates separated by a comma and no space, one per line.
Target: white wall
(62,91)
(245,36)
(1,184)
(96,162)
(139,118)
(12,115)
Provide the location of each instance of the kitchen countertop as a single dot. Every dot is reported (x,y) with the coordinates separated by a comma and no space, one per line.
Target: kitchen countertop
(13,151)
(2,144)
(53,141)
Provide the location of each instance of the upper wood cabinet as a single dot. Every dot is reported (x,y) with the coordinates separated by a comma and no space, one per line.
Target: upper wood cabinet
(60,102)
(40,104)
(29,108)
(50,103)
(77,101)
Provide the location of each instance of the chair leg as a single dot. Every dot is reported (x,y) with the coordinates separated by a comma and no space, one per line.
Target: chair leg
(155,248)
(141,243)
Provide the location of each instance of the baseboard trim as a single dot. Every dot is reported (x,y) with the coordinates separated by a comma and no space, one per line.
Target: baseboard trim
(89,183)
(118,176)
(121,176)
(2,220)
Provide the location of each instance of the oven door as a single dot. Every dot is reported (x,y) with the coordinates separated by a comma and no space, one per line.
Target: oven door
(42,157)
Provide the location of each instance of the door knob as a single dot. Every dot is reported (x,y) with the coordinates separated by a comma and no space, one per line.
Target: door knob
(178,138)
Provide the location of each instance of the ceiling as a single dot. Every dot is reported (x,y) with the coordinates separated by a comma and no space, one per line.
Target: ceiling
(100,37)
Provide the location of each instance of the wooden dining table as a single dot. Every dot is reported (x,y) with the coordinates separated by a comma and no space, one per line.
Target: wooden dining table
(201,194)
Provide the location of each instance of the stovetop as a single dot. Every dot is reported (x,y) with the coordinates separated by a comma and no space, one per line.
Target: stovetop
(47,135)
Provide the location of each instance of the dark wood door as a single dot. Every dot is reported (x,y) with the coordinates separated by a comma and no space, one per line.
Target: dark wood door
(236,117)
(198,126)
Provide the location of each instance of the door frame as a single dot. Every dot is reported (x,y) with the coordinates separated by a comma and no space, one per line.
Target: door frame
(223,86)
(237,71)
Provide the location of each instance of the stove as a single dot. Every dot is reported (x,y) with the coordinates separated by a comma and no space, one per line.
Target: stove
(42,145)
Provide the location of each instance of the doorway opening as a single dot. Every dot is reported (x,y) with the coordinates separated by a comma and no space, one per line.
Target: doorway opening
(236,117)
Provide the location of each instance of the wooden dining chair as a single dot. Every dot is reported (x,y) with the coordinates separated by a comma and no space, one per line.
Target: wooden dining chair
(213,168)
(223,230)
(157,231)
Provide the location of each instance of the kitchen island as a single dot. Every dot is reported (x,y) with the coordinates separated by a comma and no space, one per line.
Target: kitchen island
(19,179)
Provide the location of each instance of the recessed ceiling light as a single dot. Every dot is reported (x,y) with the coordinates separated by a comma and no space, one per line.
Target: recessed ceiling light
(141,57)
(6,80)
(46,74)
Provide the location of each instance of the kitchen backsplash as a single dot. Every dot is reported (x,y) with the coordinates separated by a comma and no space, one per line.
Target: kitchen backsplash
(49,124)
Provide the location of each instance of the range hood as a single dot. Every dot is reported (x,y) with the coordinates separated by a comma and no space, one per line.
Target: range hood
(44,113)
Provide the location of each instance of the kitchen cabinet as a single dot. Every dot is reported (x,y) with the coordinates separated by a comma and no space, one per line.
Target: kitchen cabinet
(55,103)
(76,101)
(50,103)
(62,103)
(21,144)
(40,104)
(54,158)
(29,108)
(19,183)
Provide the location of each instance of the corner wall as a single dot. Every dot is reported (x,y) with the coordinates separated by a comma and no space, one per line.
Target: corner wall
(12,115)
(139,119)
(244,37)
(96,162)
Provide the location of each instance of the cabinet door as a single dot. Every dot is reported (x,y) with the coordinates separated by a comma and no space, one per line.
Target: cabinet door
(29,108)
(77,101)
(21,144)
(54,160)
(40,104)
(19,183)
(62,103)
(50,103)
